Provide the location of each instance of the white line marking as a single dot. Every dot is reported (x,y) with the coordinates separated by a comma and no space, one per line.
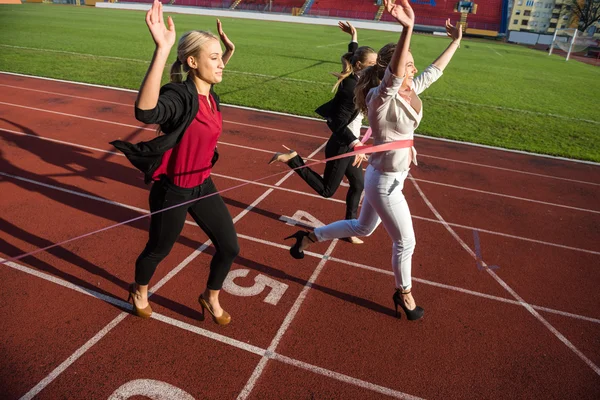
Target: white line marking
(297,192)
(543,114)
(74,357)
(63,366)
(527,306)
(508,196)
(274,77)
(494,50)
(509,169)
(285,325)
(345,378)
(151,129)
(208,334)
(536,155)
(308,253)
(470,228)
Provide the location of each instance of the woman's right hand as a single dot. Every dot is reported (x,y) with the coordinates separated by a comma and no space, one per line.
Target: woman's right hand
(163,37)
(402,11)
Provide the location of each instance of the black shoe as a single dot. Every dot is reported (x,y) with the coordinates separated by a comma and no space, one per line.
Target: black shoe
(295,249)
(412,315)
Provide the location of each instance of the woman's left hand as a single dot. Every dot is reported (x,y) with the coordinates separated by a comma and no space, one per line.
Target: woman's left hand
(358,159)
(455,32)
(226,42)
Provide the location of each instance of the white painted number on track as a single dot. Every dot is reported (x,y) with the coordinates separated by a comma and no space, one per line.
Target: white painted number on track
(302,218)
(155,390)
(260,283)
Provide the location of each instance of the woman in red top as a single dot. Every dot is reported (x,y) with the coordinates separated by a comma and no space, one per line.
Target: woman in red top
(179,161)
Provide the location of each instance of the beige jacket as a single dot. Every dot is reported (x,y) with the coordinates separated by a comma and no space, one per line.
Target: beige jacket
(392,118)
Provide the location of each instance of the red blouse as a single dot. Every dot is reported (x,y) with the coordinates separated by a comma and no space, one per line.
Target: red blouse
(188,164)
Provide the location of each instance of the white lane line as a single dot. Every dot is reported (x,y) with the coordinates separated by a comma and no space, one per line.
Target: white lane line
(63,366)
(315,196)
(152,129)
(318,255)
(203,332)
(135,60)
(469,144)
(502,108)
(508,196)
(521,301)
(73,357)
(286,324)
(320,120)
(509,170)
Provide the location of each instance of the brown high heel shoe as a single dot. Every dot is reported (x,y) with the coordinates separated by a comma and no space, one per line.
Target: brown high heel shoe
(222,320)
(283,157)
(140,312)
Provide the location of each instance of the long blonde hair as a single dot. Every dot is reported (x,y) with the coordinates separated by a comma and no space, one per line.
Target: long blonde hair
(372,76)
(189,45)
(349,61)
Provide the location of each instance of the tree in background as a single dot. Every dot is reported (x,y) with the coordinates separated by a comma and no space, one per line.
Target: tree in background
(587,12)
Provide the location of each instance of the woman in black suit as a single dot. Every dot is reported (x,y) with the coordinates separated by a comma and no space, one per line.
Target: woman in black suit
(344,120)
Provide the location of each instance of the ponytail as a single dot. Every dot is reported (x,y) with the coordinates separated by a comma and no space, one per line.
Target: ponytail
(371,77)
(347,69)
(177,71)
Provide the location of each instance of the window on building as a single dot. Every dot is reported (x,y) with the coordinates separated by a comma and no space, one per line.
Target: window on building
(529,3)
(527,13)
(518,12)
(565,17)
(525,22)
(520,3)
(538,3)
(515,21)
(563,26)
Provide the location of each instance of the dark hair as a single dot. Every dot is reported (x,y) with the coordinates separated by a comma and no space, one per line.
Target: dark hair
(349,61)
(372,76)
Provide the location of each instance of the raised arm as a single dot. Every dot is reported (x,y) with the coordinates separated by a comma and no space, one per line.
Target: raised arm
(229,46)
(351,30)
(406,17)
(455,32)
(164,38)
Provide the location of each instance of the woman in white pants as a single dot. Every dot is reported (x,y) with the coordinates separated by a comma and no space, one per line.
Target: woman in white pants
(388,93)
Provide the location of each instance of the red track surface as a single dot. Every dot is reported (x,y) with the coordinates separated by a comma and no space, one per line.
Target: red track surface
(335,337)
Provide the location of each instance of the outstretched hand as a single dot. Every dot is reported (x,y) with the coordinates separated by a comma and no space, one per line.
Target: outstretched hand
(224,39)
(455,32)
(163,37)
(402,11)
(347,27)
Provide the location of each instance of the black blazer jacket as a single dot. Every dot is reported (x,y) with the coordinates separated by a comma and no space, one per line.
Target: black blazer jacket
(340,110)
(176,108)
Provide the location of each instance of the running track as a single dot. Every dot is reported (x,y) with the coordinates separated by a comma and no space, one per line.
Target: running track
(322,327)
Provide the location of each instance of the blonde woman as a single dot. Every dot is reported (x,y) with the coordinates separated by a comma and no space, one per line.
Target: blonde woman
(179,161)
(388,93)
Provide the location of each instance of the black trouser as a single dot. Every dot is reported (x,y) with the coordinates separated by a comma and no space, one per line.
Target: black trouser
(327,184)
(210,214)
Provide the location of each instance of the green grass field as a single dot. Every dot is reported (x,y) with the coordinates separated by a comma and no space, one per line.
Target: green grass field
(491,93)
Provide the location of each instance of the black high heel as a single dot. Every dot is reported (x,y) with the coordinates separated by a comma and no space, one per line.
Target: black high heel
(412,315)
(295,249)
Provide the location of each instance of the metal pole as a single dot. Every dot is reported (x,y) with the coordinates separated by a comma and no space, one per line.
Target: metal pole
(571,45)
(553,39)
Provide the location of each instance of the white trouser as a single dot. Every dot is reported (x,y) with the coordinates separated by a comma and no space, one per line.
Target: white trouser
(383,202)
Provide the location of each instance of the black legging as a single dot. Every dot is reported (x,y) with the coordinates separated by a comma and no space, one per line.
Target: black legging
(210,214)
(327,184)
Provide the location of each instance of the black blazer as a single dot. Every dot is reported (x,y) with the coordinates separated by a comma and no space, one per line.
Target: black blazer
(340,110)
(176,108)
